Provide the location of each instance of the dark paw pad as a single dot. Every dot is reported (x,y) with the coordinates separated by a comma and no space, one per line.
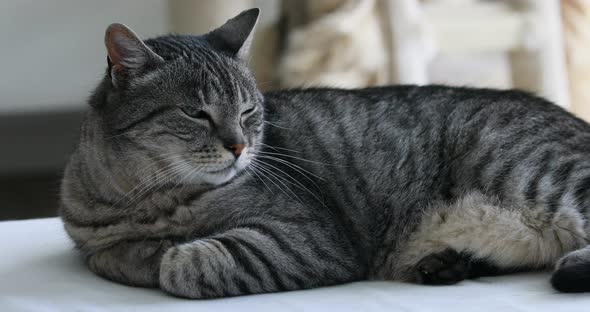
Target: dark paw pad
(444,268)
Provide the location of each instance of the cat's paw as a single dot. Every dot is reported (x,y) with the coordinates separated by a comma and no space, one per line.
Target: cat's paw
(572,273)
(576,257)
(443,268)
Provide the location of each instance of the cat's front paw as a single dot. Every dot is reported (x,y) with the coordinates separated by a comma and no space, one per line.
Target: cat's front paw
(443,268)
(177,274)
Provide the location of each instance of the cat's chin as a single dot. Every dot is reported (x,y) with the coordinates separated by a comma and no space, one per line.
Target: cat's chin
(219,177)
(214,178)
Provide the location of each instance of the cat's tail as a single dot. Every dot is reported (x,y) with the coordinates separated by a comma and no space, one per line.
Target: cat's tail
(572,273)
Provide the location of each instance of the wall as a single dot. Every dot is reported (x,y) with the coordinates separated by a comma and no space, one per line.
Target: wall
(52,52)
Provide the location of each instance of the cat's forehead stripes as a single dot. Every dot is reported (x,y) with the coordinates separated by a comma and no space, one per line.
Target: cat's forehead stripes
(208,79)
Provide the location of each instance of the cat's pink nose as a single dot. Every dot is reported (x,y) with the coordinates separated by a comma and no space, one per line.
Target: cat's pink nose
(237,149)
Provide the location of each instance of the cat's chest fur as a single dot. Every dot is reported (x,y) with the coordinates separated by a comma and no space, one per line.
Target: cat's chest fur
(179,213)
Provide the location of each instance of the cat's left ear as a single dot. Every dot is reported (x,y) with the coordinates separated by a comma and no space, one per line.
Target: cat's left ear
(235,36)
(128,55)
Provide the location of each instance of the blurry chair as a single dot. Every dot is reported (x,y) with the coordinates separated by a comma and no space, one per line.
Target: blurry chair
(576,22)
(528,30)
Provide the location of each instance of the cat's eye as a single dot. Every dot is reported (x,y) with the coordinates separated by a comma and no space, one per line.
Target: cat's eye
(201,115)
(249,111)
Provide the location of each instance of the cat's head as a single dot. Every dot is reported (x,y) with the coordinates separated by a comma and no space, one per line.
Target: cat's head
(183,108)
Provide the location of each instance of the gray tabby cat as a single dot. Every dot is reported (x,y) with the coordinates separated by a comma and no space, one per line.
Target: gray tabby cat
(187,178)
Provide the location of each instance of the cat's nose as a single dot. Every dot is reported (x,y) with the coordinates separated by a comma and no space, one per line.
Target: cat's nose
(236,149)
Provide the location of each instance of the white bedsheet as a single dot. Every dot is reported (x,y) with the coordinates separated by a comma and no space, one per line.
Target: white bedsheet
(40,271)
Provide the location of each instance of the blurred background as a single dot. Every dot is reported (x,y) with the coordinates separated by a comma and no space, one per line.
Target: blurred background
(52,56)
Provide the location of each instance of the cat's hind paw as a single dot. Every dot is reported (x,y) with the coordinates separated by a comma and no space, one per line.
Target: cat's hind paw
(572,272)
(444,268)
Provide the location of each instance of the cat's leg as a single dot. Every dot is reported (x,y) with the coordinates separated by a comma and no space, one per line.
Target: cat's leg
(134,263)
(254,260)
(485,236)
(449,267)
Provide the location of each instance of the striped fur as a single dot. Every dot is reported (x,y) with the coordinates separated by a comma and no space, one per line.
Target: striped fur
(333,185)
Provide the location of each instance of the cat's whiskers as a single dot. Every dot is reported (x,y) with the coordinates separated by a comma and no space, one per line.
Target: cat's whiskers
(167,172)
(146,181)
(156,159)
(268,175)
(157,162)
(276,148)
(295,167)
(247,169)
(171,170)
(290,164)
(121,134)
(264,167)
(138,191)
(298,158)
(296,183)
(277,126)
(156,185)
(190,174)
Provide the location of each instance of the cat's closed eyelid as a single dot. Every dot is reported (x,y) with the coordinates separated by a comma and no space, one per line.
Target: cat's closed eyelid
(249,111)
(199,115)
(246,115)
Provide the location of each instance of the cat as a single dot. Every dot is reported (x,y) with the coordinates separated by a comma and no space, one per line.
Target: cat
(187,178)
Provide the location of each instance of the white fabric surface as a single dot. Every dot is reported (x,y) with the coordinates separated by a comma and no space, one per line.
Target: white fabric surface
(40,271)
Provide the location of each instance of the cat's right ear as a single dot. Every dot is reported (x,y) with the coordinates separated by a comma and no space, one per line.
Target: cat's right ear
(127,53)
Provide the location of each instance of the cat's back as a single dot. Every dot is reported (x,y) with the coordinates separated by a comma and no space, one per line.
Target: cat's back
(407,106)
(416,136)
(430,97)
